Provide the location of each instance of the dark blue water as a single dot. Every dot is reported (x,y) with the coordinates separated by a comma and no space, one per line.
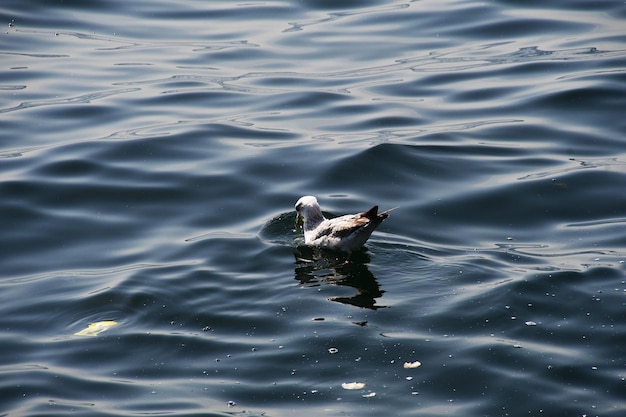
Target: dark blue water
(151,154)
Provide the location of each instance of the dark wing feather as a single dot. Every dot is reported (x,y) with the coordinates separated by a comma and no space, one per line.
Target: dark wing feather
(359,222)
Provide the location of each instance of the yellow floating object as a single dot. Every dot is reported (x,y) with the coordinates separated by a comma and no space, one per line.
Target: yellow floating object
(94,329)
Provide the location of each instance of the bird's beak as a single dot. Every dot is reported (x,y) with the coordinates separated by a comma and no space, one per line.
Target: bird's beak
(299,221)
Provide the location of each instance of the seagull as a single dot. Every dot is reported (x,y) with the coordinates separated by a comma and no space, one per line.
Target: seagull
(346,233)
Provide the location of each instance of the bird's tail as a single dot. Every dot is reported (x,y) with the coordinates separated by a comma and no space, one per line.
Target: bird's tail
(386,212)
(374,214)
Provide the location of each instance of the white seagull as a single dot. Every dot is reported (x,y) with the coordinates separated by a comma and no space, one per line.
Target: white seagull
(346,233)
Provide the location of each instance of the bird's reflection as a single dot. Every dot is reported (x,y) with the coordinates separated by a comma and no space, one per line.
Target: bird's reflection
(313,266)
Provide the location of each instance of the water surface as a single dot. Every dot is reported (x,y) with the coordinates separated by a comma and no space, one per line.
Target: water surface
(151,154)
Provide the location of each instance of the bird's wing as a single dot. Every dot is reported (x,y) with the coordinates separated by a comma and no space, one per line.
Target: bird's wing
(343,226)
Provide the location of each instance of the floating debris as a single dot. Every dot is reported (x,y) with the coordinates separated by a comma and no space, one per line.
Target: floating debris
(333,350)
(353,385)
(370,395)
(231,403)
(411,365)
(530,323)
(94,329)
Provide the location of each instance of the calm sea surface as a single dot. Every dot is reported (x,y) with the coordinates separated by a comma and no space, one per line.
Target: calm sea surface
(151,153)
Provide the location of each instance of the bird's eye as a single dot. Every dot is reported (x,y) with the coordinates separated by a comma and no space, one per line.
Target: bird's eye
(298,207)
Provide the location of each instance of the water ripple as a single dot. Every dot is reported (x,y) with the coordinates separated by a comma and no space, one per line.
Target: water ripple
(149,163)
(82,99)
